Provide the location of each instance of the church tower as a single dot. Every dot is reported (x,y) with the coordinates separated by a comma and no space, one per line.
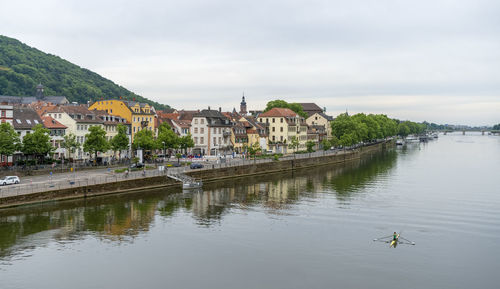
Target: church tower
(39,92)
(243,106)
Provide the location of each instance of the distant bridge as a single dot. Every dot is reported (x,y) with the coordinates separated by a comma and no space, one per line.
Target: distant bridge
(483,131)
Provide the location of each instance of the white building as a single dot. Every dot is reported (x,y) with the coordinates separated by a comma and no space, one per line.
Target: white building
(211,132)
(78,119)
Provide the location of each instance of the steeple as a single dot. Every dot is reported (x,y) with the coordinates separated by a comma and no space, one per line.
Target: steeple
(39,92)
(243,105)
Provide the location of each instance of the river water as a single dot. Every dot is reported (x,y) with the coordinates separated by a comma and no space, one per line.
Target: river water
(307,229)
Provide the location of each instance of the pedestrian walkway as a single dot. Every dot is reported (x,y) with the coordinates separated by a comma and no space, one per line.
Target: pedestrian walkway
(82,179)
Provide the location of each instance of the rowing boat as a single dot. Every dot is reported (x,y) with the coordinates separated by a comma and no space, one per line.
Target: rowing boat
(394,242)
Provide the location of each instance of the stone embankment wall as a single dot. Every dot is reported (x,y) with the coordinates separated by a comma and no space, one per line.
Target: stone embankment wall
(205,175)
(286,165)
(89,191)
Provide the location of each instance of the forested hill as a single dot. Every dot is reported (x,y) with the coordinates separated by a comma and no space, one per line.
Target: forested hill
(22,68)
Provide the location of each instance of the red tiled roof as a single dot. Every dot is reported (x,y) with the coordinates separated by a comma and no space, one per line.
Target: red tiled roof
(279,112)
(49,123)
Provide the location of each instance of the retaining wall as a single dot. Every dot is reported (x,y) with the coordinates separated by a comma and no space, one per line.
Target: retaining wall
(205,175)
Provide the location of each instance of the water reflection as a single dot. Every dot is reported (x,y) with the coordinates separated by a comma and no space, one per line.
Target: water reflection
(122,218)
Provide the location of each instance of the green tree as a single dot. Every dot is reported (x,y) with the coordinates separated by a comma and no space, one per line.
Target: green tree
(325,143)
(120,141)
(70,144)
(37,143)
(9,140)
(144,139)
(310,146)
(347,130)
(253,150)
(23,67)
(403,129)
(294,144)
(178,156)
(297,108)
(168,136)
(95,141)
(186,142)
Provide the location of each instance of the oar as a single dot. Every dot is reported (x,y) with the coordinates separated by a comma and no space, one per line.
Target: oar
(380,239)
(410,242)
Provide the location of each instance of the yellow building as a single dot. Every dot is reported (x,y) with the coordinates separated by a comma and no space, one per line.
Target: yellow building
(139,115)
(283,125)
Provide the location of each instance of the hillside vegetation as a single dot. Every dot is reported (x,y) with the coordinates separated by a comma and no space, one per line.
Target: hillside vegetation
(23,67)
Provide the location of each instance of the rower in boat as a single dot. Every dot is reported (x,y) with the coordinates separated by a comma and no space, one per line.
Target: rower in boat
(394,240)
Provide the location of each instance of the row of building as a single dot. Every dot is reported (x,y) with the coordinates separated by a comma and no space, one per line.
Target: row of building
(213,131)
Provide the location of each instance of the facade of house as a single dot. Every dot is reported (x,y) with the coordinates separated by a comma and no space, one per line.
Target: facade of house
(211,132)
(283,125)
(319,118)
(140,115)
(110,124)
(57,133)
(6,113)
(78,119)
(24,120)
(6,116)
(256,132)
(239,137)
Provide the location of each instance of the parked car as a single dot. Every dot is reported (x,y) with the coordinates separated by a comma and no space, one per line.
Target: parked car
(196,166)
(136,165)
(177,165)
(9,180)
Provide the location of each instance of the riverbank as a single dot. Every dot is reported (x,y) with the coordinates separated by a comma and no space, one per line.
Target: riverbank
(116,185)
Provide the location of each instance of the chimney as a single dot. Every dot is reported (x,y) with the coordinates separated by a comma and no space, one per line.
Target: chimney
(209,107)
(220,109)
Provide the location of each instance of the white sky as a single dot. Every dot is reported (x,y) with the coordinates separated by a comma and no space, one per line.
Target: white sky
(420,60)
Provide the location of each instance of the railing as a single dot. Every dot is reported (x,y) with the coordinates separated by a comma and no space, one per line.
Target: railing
(73,181)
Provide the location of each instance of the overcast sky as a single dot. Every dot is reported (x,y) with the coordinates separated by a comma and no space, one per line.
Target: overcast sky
(420,60)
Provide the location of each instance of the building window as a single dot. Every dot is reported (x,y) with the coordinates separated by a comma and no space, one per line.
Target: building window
(281,129)
(215,141)
(195,121)
(281,119)
(202,121)
(273,119)
(195,130)
(281,138)
(274,129)
(202,139)
(202,130)
(195,140)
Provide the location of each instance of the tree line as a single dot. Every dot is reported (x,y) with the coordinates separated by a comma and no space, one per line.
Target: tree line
(350,130)
(37,144)
(23,67)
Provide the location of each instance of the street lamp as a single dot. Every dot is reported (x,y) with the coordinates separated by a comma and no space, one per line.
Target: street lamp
(164,155)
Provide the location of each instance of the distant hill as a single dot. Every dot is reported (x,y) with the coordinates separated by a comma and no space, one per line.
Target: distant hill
(23,67)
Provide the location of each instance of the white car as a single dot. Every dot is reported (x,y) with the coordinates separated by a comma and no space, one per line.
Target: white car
(9,180)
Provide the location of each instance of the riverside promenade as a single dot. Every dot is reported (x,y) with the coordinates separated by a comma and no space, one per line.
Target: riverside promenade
(85,183)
